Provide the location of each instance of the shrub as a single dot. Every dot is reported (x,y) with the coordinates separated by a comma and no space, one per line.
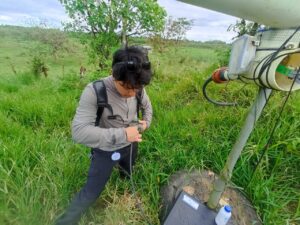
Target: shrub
(39,66)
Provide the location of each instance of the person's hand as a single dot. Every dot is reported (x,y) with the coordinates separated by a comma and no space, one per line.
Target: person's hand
(143,125)
(133,134)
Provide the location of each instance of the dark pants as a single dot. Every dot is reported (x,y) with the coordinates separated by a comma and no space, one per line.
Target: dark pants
(100,170)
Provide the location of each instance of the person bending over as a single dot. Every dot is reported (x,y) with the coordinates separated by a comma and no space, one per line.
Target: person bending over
(114,139)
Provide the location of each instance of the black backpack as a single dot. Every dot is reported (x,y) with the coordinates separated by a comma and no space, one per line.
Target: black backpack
(102,102)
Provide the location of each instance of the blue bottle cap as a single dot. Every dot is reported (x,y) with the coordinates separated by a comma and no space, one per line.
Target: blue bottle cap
(227,208)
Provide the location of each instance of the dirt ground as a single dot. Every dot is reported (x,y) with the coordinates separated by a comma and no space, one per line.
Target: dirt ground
(199,184)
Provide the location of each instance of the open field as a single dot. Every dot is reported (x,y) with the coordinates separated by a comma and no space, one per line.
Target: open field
(41,168)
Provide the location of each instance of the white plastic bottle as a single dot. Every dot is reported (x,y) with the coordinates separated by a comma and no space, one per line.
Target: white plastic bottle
(223,215)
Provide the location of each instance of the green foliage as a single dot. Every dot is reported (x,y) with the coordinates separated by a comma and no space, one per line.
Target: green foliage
(21,61)
(242,27)
(15,32)
(109,22)
(55,39)
(39,66)
(140,17)
(223,55)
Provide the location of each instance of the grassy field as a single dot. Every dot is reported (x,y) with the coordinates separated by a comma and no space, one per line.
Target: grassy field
(41,168)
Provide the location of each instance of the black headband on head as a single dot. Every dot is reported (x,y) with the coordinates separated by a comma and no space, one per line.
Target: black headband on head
(134,66)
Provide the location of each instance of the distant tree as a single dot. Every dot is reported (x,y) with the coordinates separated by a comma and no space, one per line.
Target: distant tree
(55,39)
(242,27)
(174,31)
(110,22)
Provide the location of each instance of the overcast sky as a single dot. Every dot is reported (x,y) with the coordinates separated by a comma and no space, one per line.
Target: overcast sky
(208,25)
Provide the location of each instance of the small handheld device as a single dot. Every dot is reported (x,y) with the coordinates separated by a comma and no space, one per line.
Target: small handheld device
(138,124)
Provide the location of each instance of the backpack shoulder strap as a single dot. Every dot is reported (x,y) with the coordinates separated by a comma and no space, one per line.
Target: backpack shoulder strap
(102,102)
(139,101)
(100,90)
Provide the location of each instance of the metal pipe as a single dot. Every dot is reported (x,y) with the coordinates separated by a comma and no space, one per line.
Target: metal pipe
(226,173)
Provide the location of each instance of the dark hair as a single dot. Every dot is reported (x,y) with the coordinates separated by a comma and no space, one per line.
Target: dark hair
(131,66)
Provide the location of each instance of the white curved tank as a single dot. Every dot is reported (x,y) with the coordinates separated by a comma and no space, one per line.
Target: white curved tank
(273,13)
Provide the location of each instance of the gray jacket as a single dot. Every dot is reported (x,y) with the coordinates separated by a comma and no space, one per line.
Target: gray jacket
(110,135)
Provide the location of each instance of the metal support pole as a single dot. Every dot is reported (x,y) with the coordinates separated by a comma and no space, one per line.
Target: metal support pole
(226,173)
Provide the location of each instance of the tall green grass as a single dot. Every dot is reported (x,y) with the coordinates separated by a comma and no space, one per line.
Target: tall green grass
(41,168)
